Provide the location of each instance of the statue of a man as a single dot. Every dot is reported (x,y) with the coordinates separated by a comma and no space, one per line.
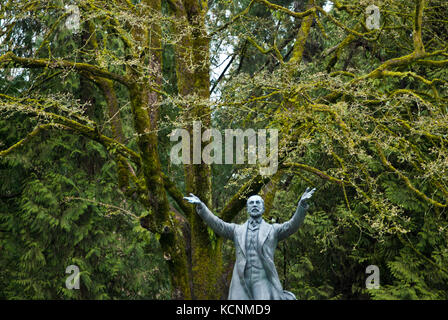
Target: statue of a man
(254,275)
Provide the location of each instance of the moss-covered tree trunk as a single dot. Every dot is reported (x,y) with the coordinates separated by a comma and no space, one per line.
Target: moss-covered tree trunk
(193,80)
(145,101)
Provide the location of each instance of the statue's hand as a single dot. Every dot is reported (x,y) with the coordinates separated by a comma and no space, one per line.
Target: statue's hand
(306,195)
(193,199)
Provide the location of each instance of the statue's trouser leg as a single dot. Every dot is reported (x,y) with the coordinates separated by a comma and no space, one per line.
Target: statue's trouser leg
(258,283)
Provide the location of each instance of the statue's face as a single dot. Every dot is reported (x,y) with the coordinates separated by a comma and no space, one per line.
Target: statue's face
(255,206)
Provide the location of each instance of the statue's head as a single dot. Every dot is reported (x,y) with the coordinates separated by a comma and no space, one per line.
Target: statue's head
(255,206)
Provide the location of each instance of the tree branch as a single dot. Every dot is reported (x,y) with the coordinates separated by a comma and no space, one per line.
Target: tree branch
(406,179)
(286,10)
(234,18)
(84,130)
(175,193)
(29,136)
(315,171)
(45,63)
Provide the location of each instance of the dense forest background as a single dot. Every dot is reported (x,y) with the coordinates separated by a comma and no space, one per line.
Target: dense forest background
(86,110)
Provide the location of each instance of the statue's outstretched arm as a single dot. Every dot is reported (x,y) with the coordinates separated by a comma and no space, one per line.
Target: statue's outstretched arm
(286,229)
(221,227)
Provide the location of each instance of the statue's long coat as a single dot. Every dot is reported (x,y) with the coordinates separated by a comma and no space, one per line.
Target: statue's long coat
(268,237)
